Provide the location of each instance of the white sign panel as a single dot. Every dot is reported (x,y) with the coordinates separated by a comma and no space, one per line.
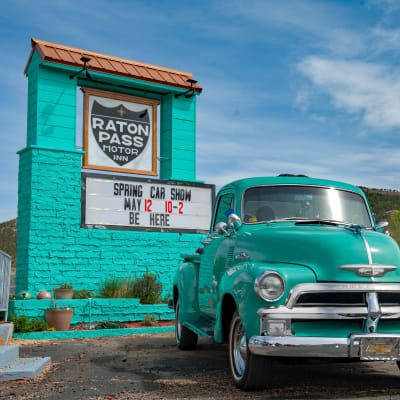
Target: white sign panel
(120,133)
(144,204)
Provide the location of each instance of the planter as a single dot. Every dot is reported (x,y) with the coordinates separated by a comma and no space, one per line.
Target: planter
(59,318)
(63,293)
(44,295)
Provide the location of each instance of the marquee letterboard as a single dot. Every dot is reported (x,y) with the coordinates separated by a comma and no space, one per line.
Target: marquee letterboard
(120,132)
(115,202)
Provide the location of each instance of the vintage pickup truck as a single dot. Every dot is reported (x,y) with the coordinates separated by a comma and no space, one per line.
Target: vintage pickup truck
(292,267)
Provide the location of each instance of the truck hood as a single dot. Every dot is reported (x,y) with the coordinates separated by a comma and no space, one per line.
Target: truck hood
(322,248)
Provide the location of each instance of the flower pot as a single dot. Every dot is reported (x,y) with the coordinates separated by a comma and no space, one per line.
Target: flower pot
(24,295)
(59,318)
(44,295)
(63,293)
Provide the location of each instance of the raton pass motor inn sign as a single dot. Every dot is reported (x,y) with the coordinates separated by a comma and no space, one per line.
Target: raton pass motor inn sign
(120,132)
(116,202)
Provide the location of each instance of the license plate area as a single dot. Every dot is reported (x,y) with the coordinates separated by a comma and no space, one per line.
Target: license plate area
(379,348)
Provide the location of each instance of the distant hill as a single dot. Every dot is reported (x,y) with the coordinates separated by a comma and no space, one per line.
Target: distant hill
(394,224)
(382,200)
(8,237)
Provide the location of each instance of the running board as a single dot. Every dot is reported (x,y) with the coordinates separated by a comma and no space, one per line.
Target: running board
(201,331)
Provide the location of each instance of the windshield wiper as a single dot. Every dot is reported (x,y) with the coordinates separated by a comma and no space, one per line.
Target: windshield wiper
(352,227)
(323,222)
(306,221)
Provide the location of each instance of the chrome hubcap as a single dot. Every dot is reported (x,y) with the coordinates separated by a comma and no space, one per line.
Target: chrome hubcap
(239,349)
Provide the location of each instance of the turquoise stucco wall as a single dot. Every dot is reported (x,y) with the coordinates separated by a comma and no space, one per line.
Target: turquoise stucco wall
(98,310)
(52,247)
(90,334)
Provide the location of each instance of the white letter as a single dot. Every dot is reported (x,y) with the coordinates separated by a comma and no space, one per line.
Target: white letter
(144,129)
(121,125)
(132,131)
(103,136)
(138,141)
(115,139)
(126,140)
(97,123)
(111,125)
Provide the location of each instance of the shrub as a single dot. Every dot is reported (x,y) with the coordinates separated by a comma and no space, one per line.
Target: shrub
(146,288)
(82,294)
(65,286)
(114,288)
(38,325)
(149,320)
(23,324)
(109,325)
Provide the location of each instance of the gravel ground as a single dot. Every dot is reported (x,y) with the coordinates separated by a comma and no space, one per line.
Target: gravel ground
(150,367)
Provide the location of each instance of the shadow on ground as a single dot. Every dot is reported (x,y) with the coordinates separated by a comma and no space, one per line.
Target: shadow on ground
(151,367)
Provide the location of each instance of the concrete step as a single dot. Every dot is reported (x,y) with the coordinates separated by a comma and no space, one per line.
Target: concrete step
(8,354)
(23,368)
(6,331)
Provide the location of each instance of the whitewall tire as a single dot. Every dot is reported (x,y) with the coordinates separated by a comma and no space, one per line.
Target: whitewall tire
(248,371)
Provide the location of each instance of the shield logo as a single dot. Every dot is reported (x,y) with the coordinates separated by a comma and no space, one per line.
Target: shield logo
(122,134)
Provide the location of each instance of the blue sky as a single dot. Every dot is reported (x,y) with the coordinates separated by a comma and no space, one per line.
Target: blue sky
(297,86)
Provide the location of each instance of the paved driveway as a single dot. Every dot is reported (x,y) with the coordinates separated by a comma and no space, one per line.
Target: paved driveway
(150,367)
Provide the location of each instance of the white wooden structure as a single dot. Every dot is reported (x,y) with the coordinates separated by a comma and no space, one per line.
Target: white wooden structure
(5,276)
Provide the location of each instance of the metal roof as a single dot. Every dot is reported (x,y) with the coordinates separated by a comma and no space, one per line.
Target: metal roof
(66,55)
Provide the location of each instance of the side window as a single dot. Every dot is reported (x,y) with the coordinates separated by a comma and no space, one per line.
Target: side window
(225,203)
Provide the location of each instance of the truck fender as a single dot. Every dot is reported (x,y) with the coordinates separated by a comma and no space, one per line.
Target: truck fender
(186,288)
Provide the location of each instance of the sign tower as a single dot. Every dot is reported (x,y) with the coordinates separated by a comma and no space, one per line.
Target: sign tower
(128,202)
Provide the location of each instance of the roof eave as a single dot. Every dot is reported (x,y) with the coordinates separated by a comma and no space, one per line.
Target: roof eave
(37,45)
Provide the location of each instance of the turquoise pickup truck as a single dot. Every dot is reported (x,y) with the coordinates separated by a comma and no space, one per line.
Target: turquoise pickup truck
(292,267)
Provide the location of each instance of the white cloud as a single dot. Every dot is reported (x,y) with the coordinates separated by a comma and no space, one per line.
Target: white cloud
(266,146)
(385,40)
(368,89)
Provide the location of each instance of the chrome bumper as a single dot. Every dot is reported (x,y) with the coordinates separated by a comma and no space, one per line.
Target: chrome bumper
(355,346)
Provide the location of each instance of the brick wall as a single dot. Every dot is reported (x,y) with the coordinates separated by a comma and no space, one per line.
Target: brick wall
(94,310)
(54,249)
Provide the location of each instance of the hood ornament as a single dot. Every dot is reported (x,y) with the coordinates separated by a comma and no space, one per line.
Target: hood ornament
(370,270)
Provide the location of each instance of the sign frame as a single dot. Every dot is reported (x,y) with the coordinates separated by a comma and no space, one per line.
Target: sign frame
(122,97)
(144,180)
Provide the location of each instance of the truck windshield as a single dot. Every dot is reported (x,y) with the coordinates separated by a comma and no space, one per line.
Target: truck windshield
(268,203)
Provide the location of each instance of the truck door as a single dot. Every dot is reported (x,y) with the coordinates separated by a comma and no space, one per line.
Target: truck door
(212,261)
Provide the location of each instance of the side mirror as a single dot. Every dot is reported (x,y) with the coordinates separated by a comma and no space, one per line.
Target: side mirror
(220,228)
(381,225)
(234,222)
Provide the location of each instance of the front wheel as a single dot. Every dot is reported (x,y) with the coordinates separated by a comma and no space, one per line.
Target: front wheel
(248,370)
(185,338)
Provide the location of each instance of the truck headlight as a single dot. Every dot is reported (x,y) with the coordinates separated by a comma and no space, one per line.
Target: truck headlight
(270,286)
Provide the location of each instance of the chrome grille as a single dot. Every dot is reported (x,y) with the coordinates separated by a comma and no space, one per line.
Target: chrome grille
(323,301)
(345,299)
(330,299)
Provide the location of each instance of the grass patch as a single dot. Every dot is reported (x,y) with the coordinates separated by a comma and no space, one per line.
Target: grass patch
(24,324)
(149,320)
(146,288)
